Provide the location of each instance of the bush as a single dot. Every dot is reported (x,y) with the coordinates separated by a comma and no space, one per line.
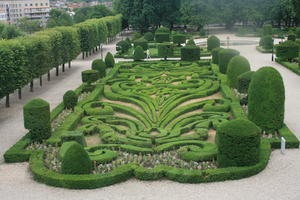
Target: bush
(190,53)
(162,37)
(292,36)
(244,81)
(215,55)
(266,99)
(136,35)
(287,50)
(165,50)
(298,32)
(191,42)
(70,99)
(266,42)
(109,60)
(37,119)
(76,136)
(141,42)
(179,39)
(138,54)
(238,143)
(89,76)
(163,30)
(236,66)
(225,56)
(149,36)
(267,30)
(123,46)
(75,159)
(100,66)
(213,42)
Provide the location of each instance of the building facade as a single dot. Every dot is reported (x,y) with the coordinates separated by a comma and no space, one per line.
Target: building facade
(12,10)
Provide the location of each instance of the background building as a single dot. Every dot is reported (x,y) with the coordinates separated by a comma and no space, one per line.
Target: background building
(12,10)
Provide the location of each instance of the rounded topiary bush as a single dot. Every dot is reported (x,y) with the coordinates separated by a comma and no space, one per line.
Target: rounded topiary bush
(266,42)
(123,46)
(70,99)
(215,55)
(138,54)
(165,50)
(287,50)
(179,39)
(109,60)
(191,42)
(238,143)
(266,99)
(149,36)
(89,76)
(141,42)
(190,53)
(213,42)
(244,81)
(37,119)
(100,66)
(75,159)
(236,66)
(225,56)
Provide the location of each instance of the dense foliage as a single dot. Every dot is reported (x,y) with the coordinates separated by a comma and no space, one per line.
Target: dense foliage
(109,60)
(165,50)
(59,18)
(266,42)
(91,12)
(287,50)
(238,143)
(266,99)
(225,56)
(236,66)
(138,53)
(141,42)
(213,42)
(190,53)
(215,55)
(244,81)
(70,99)
(100,66)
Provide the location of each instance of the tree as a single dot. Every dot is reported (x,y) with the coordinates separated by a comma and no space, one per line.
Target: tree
(99,11)
(59,18)
(29,26)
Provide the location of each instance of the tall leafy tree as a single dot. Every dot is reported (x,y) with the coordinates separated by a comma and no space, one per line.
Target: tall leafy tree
(59,18)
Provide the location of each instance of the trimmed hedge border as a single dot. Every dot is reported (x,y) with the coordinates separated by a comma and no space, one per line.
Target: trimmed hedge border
(294,68)
(263,50)
(125,172)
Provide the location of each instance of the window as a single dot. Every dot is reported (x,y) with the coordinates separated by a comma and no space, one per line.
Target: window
(26,4)
(31,4)
(41,4)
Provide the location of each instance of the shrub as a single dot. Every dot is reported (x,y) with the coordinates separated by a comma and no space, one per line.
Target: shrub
(190,53)
(202,32)
(179,39)
(76,136)
(244,81)
(70,99)
(236,66)
(149,36)
(266,99)
(136,35)
(267,30)
(109,60)
(238,143)
(123,46)
(213,42)
(141,42)
(215,55)
(75,159)
(292,36)
(191,42)
(225,56)
(163,30)
(37,119)
(162,37)
(100,66)
(165,50)
(287,50)
(266,42)
(138,54)
(89,76)
(298,32)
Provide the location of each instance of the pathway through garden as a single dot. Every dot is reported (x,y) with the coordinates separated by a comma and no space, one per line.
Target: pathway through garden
(280,180)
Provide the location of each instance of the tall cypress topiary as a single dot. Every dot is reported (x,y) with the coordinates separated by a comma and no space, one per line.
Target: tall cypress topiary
(138,54)
(75,159)
(215,55)
(238,143)
(237,65)
(244,81)
(70,99)
(37,119)
(266,99)
(225,56)
(100,66)
(109,60)
(213,42)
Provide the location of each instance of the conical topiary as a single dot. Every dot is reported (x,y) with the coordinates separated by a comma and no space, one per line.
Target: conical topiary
(109,60)
(100,66)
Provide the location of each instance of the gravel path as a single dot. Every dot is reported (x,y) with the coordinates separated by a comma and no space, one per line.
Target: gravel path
(280,180)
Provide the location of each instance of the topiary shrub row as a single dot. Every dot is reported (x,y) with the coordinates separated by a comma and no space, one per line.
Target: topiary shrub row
(100,66)
(237,66)
(225,56)
(190,53)
(287,50)
(141,42)
(179,39)
(215,55)
(123,46)
(266,42)
(213,42)
(165,50)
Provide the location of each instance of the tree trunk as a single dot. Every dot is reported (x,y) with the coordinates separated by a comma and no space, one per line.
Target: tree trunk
(20,93)
(48,75)
(82,55)
(57,72)
(31,86)
(69,64)
(63,67)
(41,81)
(7,101)
(86,54)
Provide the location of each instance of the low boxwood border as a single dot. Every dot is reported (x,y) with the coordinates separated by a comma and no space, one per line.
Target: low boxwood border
(125,172)
(294,68)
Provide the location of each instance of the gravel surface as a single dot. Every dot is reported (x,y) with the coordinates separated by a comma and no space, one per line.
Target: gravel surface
(279,181)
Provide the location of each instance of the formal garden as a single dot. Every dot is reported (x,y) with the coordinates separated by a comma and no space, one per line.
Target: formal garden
(191,120)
